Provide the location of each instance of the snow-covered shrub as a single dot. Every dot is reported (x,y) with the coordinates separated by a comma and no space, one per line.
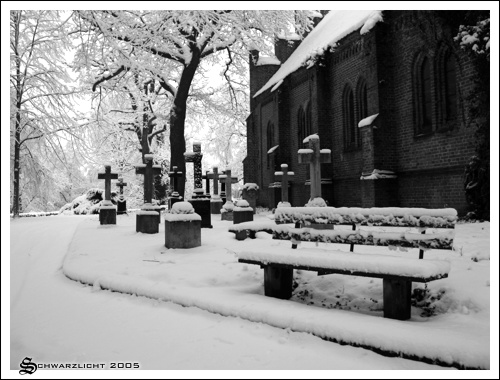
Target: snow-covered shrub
(87,203)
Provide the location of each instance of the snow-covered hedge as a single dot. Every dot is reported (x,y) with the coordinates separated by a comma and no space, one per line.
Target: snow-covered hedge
(87,203)
(36,214)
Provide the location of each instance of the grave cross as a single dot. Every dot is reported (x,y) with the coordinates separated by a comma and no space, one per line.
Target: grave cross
(107,176)
(121,184)
(206,177)
(283,176)
(195,157)
(149,171)
(214,174)
(314,157)
(175,174)
(227,180)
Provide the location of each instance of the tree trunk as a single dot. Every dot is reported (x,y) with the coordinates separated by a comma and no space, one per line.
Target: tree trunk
(178,119)
(17,167)
(17,132)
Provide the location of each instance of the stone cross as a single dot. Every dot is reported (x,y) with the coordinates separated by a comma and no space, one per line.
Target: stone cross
(107,176)
(206,177)
(227,179)
(283,176)
(175,174)
(121,184)
(214,174)
(195,158)
(149,171)
(314,157)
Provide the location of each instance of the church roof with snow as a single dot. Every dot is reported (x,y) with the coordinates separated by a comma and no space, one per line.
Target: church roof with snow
(334,26)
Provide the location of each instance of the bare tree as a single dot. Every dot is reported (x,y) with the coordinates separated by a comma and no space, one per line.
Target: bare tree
(40,95)
(171,46)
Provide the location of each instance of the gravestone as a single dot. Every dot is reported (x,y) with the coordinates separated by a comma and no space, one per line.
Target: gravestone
(149,214)
(250,193)
(182,227)
(242,212)
(107,211)
(199,200)
(175,196)
(122,203)
(215,201)
(283,176)
(227,209)
(206,177)
(314,156)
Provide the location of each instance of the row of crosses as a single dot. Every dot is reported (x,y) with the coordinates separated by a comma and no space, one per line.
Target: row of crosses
(314,156)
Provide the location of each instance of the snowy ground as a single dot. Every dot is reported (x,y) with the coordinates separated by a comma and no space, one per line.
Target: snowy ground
(201,309)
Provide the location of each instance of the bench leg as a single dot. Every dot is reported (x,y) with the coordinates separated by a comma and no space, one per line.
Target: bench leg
(278,282)
(397,299)
(241,235)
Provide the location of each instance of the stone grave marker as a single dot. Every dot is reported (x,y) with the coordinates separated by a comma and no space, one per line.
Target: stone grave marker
(175,197)
(250,193)
(199,200)
(122,203)
(283,176)
(107,212)
(227,209)
(314,156)
(215,201)
(148,218)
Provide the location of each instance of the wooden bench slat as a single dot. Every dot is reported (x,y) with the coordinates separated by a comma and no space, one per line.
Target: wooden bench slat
(443,240)
(350,263)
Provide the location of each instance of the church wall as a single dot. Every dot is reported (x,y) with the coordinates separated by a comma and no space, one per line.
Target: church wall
(430,166)
(348,63)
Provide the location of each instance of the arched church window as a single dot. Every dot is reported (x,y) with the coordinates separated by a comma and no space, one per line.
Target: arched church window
(348,118)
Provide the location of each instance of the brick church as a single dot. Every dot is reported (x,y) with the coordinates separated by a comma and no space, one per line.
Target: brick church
(385,92)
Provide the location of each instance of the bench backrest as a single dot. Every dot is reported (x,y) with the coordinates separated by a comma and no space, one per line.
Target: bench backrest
(383,216)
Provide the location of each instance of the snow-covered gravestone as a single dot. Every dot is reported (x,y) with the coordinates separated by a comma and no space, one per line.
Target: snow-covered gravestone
(182,226)
(314,156)
(200,202)
(175,197)
(107,211)
(207,183)
(242,212)
(215,201)
(227,209)
(122,203)
(222,180)
(148,218)
(250,193)
(195,157)
(284,176)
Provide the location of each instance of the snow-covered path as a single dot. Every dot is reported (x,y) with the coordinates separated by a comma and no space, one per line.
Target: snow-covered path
(56,320)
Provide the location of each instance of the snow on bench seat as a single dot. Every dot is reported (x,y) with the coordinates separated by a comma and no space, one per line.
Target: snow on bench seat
(440,240)
(368,265)
(386,216)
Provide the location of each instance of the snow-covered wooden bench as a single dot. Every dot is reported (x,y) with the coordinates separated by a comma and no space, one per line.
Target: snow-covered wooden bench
(397,273)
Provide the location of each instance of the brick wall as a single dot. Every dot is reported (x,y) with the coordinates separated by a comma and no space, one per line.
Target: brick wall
(418,159)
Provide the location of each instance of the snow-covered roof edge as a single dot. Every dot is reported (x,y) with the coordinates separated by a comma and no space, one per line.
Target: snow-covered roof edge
(334,26)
